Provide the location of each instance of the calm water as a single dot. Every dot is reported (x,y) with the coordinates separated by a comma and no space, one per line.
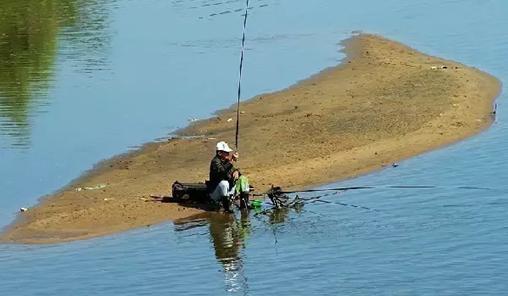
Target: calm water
(83,80)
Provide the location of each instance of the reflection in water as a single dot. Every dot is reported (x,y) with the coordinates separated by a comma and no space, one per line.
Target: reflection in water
(29,39)
(228,234)
(277,216)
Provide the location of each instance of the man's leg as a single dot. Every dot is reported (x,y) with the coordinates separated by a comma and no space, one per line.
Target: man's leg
(221,194)
(220,191)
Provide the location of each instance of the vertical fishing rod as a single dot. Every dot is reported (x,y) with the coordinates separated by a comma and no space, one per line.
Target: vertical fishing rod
(240,76)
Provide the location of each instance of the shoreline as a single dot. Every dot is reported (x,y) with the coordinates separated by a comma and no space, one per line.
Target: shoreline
(383,103)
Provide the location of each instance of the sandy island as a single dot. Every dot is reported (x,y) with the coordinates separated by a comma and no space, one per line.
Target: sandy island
(384,103)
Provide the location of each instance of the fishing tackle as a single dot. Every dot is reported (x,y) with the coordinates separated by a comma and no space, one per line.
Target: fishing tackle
(237,132)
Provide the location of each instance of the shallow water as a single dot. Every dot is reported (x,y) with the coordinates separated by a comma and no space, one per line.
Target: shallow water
(100,77)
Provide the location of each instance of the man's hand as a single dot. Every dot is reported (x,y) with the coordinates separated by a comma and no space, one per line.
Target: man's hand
(235,175)
(235,156)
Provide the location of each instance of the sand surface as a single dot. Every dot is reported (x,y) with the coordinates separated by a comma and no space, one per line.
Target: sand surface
(384,103)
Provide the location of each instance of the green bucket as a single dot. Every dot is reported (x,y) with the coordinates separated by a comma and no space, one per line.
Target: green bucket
(256,203)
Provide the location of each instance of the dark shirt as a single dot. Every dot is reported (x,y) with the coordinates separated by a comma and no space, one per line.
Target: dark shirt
(219,171)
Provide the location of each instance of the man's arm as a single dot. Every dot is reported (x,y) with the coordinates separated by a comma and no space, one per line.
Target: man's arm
(221,170)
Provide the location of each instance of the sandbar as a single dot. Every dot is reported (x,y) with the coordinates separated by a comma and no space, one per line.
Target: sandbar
(385,102)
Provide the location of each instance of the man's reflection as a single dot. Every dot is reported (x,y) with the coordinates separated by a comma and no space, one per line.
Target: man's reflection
(228,234)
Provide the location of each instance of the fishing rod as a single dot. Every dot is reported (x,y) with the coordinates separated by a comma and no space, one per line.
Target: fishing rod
(280,199)
(387,187)
(237,132)
(337,190)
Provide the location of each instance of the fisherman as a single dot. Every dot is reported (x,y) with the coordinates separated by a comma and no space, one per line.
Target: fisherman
(226,182)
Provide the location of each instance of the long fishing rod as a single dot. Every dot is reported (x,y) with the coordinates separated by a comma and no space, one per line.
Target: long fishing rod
(336,190)
(377,187)
(387,187)
(240,76)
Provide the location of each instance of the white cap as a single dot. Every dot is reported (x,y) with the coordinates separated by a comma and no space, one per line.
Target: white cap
(223,146)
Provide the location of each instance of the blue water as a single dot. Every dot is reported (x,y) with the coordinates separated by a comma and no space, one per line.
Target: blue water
(161,62)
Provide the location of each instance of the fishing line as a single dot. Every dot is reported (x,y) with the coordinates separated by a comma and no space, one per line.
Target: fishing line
(240,75)
(344,204)
(317,198)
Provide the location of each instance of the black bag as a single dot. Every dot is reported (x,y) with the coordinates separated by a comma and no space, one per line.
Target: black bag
(197,192)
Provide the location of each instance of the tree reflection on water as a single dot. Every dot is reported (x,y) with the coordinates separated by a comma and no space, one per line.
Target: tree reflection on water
(31,34)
